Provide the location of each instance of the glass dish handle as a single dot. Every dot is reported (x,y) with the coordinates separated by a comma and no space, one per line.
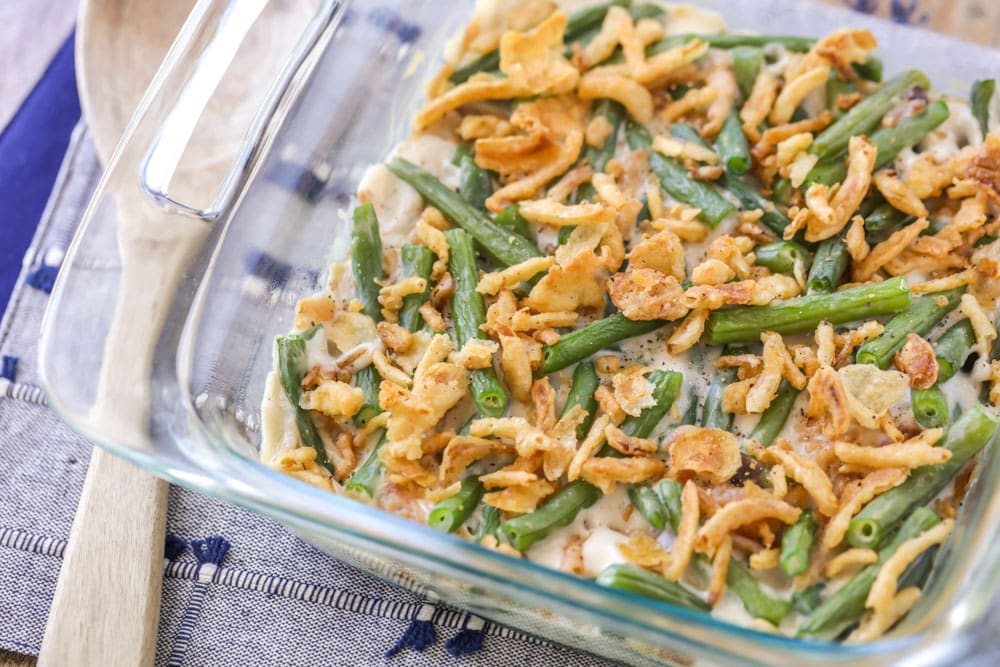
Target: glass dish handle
(159,164)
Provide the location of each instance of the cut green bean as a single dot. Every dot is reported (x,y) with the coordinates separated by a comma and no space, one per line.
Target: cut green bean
(786,257)
(979,101)
(364,480)
(675,179)
(750,199)
(558,511)
(291,353)
(670,497)
(829,265)
(920,317)
(757,603)
(743,324)
(846,606)
(869,70)
(733,146)
(506,247)
(366,265)
(646,10)
(468,311)
(594,337)
(965,437)
(808,599)
(889,141)
(884,216)
(489,524)
(835,87)
(583,393)
(690,416)
(666,388)
(512,220)
(614,113)
(773,419)
(747,61)
(688,133)
(632,579)
(796,543)
(712,414)
(648,504)
(865,116)
(953,348)
(732,41)
(473,182)
(452,512)
(417,261)
(930,406)
(579,23)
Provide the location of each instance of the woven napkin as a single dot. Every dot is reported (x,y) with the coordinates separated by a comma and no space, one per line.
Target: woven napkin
(238,588)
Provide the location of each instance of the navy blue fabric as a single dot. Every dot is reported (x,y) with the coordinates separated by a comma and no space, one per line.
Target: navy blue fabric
(31,150)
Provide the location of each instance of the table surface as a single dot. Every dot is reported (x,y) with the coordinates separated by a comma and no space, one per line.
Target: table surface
(26,51)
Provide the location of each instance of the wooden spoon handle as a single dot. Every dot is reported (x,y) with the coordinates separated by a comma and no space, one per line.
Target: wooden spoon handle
(106,608)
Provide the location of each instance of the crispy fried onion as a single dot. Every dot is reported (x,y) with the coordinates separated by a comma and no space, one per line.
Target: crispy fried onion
(604,471)
(335,399)
(740,513)
(492,283)
(687,532)
(300,463)
(870,391)
(710,453)
(528,440)
(806,472)
(632,391)
(464,450)
(917,360)
(850,559)
(533,63)
(915,452)
(576,281)
(828,216)
(647,294)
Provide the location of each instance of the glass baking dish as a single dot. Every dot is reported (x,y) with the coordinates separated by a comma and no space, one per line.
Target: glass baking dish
(158,336)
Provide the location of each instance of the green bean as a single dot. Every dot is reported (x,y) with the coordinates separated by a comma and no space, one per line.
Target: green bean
(712,414)
(835,87)
(751,199)
(559,510)
(647,10)
(806,600)
(781,191)
(743,324)
(366,264)
(291,352)
(417,261)
(773,419)
(869,70)
(473,182)
(979,101)
(507,247)
(688,133)
(670,497)
(452,512)
(746,64)
(884,216)
(648,504)
(666,387)
(829,265)
(578,24)
(592,338)
(468,312)
(930,406)
(364,479)
(922,315)
(511,220)
(848,604)
(783,257)
(732,145)
(598,156)
(732,41)
(690,416)
(676,180)
(489,524)
(757,603)
(796,543)
(582,392)
(965,437)
(633,579)
(865,116)
(889,141)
